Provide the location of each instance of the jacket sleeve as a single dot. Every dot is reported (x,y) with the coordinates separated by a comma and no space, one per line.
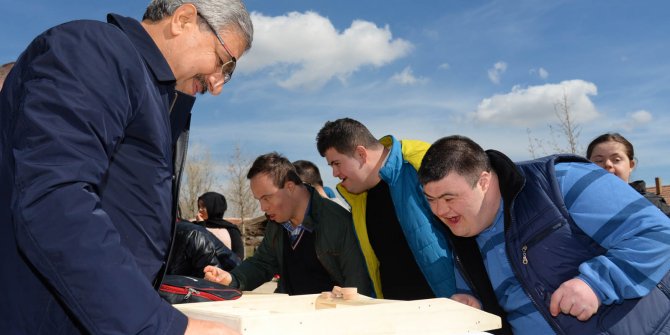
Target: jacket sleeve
(634,232)
(202,252)
(75,105)
(259,268)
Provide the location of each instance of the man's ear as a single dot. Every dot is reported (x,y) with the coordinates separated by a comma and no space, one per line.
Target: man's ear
(484,180)
(361,154)
(289,186)
(184,17)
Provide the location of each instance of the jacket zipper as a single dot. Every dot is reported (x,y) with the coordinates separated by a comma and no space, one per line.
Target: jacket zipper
(190,291)
(174,100)
(552,323)
(175,203)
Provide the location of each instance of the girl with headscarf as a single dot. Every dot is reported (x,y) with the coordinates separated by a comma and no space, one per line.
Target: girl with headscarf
(211,207)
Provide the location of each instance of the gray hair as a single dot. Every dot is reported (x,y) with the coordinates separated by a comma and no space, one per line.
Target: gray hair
(221,14)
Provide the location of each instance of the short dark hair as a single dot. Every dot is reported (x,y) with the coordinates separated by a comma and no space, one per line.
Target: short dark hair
(344,135)
(308,172)
(278,167)
(616,137)
(454,154)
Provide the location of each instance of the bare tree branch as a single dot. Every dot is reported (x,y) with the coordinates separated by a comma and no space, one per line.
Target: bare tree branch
(566,129)
(199,177)
(239,194)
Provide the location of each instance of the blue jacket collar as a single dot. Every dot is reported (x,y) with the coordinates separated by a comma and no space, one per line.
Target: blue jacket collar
(145,45)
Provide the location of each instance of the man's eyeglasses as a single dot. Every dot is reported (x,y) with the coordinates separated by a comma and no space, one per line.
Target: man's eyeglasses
(227,68)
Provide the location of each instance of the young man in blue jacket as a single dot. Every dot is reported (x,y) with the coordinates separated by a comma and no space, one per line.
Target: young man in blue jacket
(90,160)
(554,245)
(405,248)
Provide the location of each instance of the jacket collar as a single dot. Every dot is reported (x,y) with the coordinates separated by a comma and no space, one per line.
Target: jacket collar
(313,209)
(145,45)
(510,180)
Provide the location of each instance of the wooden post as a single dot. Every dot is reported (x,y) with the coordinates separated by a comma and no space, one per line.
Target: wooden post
(658,185)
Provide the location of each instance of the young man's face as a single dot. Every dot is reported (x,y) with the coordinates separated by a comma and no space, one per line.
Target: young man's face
(350,170)
(274,201)
(458,204)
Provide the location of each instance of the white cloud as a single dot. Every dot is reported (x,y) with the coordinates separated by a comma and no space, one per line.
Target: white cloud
(305,50)
(641,116)
(444,66)
(537,104)
(406,77)
(541,72)
(498,69)
(635,119)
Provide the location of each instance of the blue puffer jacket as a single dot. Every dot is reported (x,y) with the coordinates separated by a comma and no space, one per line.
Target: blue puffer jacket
(549,248)
(89,119)
(425,235)
(546,247)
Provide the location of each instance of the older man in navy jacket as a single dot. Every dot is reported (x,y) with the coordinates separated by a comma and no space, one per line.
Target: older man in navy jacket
(90,126)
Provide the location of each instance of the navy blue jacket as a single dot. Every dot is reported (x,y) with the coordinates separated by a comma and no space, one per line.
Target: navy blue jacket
(88,124)
(549,226)
(545,247)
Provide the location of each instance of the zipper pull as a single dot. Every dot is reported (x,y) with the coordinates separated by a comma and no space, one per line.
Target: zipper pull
(524,260)
(191,291)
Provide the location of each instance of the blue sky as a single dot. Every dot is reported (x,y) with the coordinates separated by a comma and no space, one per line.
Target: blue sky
(490,70)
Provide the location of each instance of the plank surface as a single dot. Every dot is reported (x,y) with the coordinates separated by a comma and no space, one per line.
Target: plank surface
(297,315)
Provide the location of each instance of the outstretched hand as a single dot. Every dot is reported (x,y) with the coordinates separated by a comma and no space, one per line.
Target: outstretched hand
(217,275)
(574,297)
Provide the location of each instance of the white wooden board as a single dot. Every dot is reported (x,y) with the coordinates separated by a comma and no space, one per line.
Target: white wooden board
(297,315)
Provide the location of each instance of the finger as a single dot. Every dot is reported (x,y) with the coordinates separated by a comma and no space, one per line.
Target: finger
(584,315)
(577,310)
(459,298)
(566,305)
(555,301)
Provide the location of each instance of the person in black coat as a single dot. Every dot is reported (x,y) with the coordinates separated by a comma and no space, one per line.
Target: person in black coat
(211,207)
(195,248)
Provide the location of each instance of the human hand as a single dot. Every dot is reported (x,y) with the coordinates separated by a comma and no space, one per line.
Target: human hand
(576,298)
(197,327)
(217,275)
(467,300)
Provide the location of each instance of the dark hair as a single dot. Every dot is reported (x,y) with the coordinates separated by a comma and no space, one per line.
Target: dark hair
(308,172)
(616,137)
(344,135)
(278,167)
(454,154)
